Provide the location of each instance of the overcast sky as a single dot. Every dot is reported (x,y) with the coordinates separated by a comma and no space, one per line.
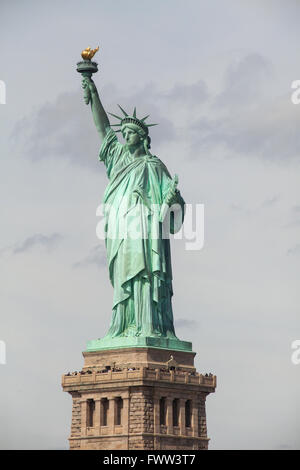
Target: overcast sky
(217,78)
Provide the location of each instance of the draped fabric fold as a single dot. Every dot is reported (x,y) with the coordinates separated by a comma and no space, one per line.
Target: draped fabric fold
(138,255)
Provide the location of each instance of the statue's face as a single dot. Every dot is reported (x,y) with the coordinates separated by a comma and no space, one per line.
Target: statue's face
(132,138)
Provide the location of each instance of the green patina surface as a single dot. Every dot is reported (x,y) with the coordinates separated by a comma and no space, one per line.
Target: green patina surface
(129,342)
(138,255)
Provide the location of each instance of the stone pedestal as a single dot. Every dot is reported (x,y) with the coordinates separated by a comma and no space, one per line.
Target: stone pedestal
(138,398)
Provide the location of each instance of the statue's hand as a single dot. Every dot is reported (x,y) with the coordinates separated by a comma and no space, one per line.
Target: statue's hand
(89,87)
(172,196)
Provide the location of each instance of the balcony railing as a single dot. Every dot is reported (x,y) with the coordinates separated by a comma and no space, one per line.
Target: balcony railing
(161,375)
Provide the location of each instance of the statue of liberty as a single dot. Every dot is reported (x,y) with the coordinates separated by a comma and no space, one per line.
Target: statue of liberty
(139,190)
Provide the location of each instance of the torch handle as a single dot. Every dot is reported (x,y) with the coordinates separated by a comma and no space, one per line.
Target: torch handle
(86,90)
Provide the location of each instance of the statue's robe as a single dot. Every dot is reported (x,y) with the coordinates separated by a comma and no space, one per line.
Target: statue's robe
(138,254)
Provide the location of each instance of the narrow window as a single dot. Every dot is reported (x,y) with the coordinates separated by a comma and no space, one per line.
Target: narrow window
(119,407)
(188,414)
(90,413)
(104,411)
(175,411)
(162,411)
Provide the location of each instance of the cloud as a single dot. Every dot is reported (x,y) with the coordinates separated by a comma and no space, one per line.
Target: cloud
(65,128)
(185,323)
(295,250)
(188,95)
(96,257)
(270,202)
(237,207)
(268,131)
(249,117)
(295,217)
(265,204)
(246,79)
(47,242)
(246,118)
(62,129)
(241,210)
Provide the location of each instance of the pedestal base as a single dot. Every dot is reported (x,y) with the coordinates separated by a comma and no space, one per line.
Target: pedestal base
(138,398)
(136,341)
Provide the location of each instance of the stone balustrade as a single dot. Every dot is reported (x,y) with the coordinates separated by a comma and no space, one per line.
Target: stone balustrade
(161,375)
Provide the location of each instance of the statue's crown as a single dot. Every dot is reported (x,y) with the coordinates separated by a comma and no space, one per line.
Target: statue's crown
(131,120)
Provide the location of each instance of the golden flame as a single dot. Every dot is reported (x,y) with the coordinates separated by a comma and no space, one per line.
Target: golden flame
(88,53)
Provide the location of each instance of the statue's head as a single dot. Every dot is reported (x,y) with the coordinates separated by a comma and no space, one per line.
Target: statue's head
(135,136)
(135,131)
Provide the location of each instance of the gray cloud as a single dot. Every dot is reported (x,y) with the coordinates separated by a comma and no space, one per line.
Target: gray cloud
(294,218)
(266,204)
(188,95)
(240,210)
(45,241)
(270,202)
(96,257)
(249,117)
(295,250)
(293,223)
(62,129)
(65,128)
(246,118)
(237,207)
(269,131)
(185,323)
(245,81)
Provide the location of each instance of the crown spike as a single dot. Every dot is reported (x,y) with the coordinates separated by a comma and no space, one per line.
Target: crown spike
(114,115)
(124,112)
(127,119)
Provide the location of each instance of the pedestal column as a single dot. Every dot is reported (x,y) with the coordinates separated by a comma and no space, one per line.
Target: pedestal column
(182,417)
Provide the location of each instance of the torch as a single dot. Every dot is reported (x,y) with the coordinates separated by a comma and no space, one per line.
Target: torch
(86,67)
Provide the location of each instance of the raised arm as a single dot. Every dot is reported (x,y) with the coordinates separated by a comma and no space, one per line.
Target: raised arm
(100,117)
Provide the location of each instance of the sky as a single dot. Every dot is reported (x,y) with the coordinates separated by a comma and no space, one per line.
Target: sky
(217,78)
